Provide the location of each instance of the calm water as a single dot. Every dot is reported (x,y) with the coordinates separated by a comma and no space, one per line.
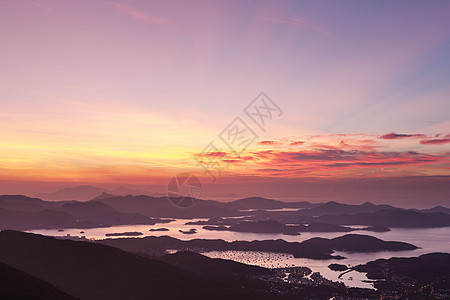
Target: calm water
(428,239)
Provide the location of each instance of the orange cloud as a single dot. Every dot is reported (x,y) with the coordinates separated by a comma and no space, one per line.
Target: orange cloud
(264,143)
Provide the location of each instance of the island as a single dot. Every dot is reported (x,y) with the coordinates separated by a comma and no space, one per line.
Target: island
(132,233)
(315,248)
(337,267)
(190,231)
(377,228)
(158,229)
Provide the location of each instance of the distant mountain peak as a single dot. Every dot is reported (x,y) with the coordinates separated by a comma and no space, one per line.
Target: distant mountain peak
(82,192)
(333,203)
(104,195)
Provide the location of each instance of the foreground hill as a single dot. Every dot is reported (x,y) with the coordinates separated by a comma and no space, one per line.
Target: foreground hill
(423,277)
(16,284)
(95,271)
(205,266)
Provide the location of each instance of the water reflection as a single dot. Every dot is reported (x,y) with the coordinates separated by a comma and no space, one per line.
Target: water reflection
(428,239)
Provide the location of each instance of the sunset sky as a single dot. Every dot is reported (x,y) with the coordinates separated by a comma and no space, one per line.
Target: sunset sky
(131,92)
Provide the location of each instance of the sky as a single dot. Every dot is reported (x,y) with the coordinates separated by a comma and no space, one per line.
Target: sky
(134,92)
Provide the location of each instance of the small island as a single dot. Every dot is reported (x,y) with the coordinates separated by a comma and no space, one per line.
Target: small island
(132,233)
(190,231)
(377,228)
(216,228)
(337,267)
(158,229)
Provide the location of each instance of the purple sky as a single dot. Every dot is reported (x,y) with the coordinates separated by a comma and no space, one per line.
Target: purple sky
(127,92)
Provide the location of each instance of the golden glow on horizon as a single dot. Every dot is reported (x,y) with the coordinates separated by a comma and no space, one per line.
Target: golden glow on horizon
(133,91)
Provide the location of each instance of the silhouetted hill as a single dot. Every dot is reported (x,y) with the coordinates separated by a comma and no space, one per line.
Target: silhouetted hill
(103,195)
(83,192)
(264,203)
(365,243)
(161,207)
(103,214)
(24,203)
(259,227)
(423,277)
(439,209)
(221,270)
(391,218)
(89,192)
(95,271)
(205,266)
(87,209)
(432,265)
(16,284)
(24,213)
(335,208)
(46,218)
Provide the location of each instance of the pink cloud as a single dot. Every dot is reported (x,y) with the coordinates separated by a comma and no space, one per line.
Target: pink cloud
(212,154)
(436,141)
(320,161)
(140,15)
(265,143)
(47,8)
(394,136)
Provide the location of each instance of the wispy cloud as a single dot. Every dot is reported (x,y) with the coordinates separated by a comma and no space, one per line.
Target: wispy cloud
(268,143)
(301,23)
(47,8)
(296,143)
(140,15)
(445,140)
(394,136)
